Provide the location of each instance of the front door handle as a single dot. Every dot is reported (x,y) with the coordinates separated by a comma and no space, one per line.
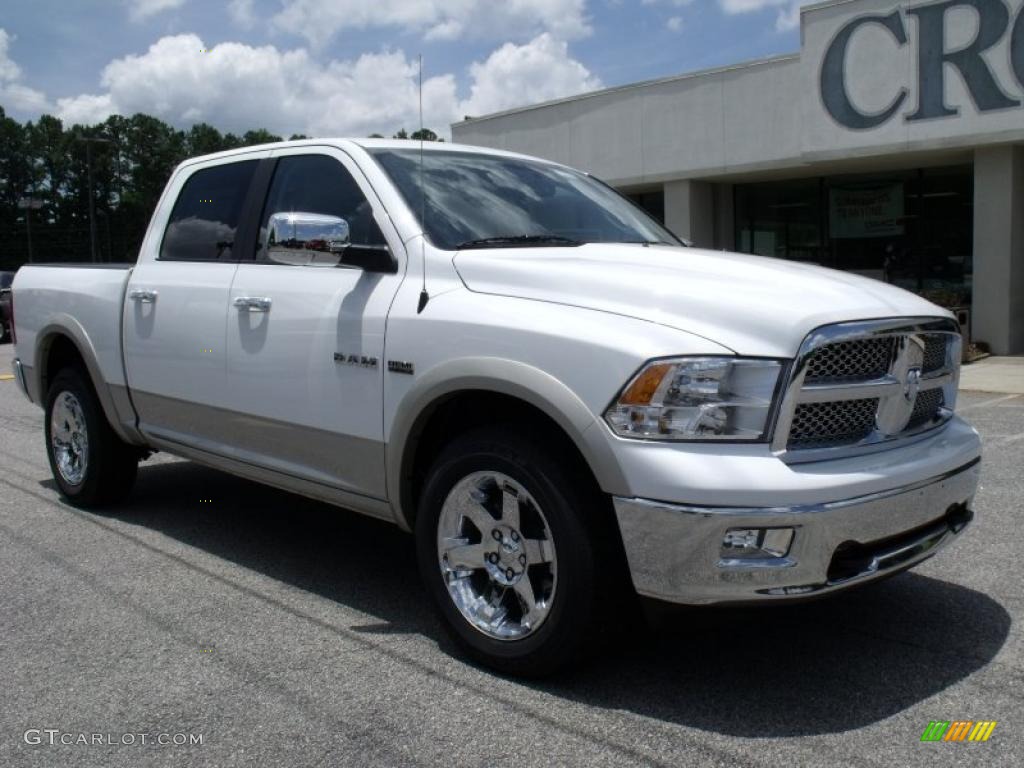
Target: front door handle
(143,297)
(252,303)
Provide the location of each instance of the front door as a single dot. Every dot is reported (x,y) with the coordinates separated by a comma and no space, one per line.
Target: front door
(305,335)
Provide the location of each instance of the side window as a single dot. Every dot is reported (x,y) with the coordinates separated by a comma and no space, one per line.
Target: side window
(314,210)
(207,212)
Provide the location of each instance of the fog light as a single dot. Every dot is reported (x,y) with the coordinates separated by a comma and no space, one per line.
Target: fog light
(756,542)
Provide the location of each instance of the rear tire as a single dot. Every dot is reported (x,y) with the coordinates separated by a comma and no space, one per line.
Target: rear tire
(514,554)
(91,465)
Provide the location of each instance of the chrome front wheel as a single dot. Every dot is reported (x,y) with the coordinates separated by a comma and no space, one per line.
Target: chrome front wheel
(510,539)
(497,556)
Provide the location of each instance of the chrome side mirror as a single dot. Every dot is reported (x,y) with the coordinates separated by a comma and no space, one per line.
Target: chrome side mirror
(318,240)
(307,239)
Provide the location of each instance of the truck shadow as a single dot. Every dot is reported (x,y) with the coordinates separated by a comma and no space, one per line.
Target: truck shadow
(813,668)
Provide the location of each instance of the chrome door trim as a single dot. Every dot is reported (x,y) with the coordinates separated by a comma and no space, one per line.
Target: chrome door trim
(143,297)
(252,303)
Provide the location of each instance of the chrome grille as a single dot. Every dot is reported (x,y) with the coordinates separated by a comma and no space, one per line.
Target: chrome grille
(817,425)
(934,352)
(856,385)
(926,407)
(860,359)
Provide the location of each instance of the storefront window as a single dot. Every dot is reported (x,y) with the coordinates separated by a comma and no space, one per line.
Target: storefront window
(781,220)
(909,228)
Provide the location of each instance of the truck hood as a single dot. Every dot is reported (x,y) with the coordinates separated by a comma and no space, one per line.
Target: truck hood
(751,304)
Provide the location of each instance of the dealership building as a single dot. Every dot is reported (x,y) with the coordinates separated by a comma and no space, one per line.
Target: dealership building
(891,145)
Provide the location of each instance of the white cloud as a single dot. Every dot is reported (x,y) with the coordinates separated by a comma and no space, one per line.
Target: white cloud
(13,93)
(319,20)
(241,11)
(787,17)
(23,98)
(9,71)
(515,75)
(143,9)
(236,87)
(676,22)
(86,108)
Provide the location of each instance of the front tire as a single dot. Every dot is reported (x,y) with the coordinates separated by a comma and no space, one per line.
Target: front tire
(510,549)
(90,463)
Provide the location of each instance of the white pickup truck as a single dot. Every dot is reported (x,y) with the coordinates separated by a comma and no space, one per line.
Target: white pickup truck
(556,394)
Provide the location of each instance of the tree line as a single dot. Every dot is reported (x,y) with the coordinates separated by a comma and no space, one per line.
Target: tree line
(45,182)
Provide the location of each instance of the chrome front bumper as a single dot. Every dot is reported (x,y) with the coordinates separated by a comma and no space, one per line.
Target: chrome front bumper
(19,376)
(675,551)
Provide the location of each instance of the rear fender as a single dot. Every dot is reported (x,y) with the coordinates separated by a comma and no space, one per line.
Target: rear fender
(114,399)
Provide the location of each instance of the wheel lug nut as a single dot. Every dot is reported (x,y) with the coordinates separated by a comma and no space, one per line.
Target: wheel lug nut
(510,574)
(493,558)
(515,536)
(522,559)
(496,534)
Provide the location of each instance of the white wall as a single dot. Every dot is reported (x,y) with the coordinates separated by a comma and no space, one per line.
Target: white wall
(998,303)
(878,68)
(768,114)
(688,126)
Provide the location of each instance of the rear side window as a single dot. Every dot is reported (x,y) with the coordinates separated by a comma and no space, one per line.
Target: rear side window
(207,212)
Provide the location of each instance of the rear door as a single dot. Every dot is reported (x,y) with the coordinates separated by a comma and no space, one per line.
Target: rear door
(305,335)
(176,304)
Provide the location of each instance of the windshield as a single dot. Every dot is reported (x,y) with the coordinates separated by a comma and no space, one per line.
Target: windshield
(477,200)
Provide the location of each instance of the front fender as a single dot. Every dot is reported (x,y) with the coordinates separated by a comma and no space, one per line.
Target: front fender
(501,376)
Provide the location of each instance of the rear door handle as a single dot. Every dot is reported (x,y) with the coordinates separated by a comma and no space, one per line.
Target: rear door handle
(252,303)
(143,297)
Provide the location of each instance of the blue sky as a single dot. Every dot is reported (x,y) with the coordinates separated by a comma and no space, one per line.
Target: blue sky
(349,66)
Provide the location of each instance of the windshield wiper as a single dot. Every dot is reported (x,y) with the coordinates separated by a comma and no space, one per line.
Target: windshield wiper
(645,242)
(514,241)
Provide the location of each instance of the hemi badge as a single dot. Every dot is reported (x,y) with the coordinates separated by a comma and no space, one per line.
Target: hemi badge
(400,366)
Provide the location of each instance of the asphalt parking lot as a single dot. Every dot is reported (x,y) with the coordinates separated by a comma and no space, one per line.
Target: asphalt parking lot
(286,632)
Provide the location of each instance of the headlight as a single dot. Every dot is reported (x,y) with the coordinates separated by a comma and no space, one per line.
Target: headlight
(697,398)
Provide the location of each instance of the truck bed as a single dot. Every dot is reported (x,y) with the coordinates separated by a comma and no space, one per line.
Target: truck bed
(85,300)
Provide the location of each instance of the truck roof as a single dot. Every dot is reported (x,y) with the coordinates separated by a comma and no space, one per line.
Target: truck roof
(342,143)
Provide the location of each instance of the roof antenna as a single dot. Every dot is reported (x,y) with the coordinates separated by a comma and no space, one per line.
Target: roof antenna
(424,296)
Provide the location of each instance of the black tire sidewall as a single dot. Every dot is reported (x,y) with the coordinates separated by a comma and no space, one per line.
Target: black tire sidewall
(557,641)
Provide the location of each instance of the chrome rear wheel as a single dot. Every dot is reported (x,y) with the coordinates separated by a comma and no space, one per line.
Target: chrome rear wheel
(69,438)
(90,463)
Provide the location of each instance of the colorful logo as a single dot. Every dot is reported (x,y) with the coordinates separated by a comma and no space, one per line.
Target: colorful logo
(958,730)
